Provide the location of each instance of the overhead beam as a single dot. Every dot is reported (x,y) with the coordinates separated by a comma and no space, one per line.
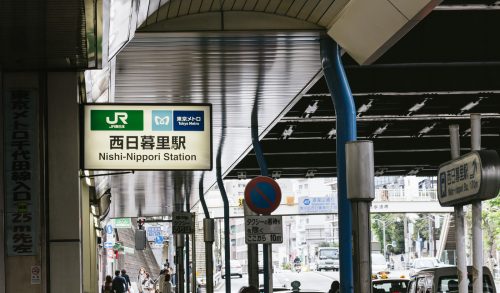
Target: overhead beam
(311,161)
(376,118)
(379,137)
(414,93)
(321,173)
(312,152)
(474,7)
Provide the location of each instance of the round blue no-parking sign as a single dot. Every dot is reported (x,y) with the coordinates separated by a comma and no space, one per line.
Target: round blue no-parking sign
(159,239)
(263,195)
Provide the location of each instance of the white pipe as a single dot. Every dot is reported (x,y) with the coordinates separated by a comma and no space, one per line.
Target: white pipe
(459,219)
(477,233)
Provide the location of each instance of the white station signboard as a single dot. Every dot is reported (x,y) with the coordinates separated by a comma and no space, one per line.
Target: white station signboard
(147,137)
(472,177)
(263,229)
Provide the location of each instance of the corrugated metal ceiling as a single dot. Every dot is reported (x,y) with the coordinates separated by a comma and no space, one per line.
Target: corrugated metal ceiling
(231,71)
(405,101)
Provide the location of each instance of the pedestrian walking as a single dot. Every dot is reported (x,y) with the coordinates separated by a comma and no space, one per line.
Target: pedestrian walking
(107,287)
(140,278)
(172,275)
(164,270)
(165,284)
(148,284)
(127,279)
(119,284)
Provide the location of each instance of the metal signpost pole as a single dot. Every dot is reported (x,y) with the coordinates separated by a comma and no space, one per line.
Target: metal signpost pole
(179,241)
(361,191)
(407,246)
(267,252)
(459,219)
(209,238)
(383,237)
(208,231)
(263,196)
(186,245)
(429,226)
(252,253)
(227,235)
(194,284)
(477,234)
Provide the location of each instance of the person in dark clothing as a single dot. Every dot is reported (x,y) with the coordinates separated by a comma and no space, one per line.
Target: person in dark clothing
(119,283)
(164,270)
(127,278)
(248,289)
(335,287)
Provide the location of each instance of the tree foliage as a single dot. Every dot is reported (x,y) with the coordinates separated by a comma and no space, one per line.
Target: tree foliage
(394,231)
(491,225)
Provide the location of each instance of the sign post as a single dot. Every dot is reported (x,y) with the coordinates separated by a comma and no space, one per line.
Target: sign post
(263,196)
(471,177)
(147,137)
(263,229)
(182,223)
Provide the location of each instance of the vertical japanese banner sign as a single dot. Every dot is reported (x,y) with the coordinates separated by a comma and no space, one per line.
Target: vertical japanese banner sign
(21,171)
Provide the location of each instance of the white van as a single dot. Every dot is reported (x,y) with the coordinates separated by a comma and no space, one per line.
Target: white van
(328,259)
(378,263)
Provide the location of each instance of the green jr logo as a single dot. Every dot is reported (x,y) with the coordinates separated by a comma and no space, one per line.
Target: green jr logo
(122,116)
(116,120)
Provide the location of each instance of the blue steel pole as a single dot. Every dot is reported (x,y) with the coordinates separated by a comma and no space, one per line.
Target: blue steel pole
(345,113)
(264,172)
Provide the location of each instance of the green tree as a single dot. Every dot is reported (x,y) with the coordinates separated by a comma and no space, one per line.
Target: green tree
(491,226)
(422,225)
(394,231)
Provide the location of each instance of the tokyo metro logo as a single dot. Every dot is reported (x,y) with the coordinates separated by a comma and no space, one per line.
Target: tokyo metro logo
(162,120)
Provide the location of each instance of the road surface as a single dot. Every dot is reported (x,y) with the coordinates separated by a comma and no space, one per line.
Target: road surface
(308,280)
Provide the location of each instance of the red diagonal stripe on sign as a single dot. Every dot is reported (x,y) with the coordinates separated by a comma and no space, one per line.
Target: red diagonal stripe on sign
(264,196)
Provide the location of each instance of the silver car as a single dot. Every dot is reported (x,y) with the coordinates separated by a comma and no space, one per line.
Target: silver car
(445,279)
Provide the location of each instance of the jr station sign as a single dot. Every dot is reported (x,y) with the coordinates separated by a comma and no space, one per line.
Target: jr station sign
(147,137)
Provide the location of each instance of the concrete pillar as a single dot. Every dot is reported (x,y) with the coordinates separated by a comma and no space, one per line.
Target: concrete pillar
(15,269)
(2,214)
(64,206)
(89,244)
(56,197)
